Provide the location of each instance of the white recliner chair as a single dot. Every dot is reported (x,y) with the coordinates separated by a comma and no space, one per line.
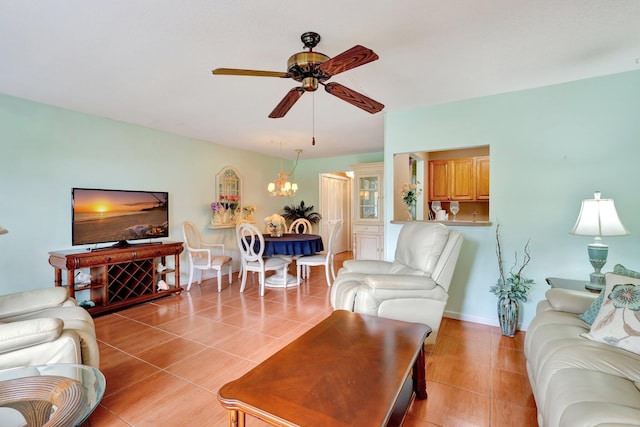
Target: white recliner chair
(45,326)
(414,287)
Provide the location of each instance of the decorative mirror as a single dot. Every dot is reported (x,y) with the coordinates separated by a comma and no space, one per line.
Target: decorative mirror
(229,194)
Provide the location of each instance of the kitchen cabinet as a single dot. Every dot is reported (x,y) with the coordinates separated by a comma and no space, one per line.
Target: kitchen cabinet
(482,178)
(463,179)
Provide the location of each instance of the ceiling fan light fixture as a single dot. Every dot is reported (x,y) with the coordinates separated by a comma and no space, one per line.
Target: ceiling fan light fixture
(310,84)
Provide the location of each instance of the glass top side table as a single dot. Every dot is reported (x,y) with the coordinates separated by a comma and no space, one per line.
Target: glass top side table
(62,394)
(576,285)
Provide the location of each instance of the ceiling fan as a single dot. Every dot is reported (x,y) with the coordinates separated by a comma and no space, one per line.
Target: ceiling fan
(313,69)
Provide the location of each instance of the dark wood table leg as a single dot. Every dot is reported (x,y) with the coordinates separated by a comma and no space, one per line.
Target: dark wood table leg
(420,376)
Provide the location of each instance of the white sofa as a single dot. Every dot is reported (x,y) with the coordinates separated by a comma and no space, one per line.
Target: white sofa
(414,287)
(45,326)
(577,381)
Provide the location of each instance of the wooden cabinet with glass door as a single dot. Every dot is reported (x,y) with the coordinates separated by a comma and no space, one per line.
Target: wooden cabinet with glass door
(368,222)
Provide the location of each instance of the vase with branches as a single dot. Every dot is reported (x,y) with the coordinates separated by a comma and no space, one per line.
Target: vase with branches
(512,288)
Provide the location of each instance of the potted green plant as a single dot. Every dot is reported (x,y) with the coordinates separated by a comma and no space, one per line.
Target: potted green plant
(511,289)
(293,212)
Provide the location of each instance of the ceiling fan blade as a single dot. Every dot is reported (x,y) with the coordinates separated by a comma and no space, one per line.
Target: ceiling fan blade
(240,72)
(287,102)
(353,97)
(352,58)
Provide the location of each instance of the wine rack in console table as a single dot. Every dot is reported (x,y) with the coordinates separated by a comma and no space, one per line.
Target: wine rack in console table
(120,277)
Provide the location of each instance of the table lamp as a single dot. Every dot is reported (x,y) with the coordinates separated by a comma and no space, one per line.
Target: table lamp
(598,217)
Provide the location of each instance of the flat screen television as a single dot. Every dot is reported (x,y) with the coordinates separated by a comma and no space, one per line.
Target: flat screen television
(101,216)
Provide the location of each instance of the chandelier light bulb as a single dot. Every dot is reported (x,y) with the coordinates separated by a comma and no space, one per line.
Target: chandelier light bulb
(282,186)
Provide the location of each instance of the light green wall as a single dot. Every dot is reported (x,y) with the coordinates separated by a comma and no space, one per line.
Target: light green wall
(46,151)
(308,172)
(550,148)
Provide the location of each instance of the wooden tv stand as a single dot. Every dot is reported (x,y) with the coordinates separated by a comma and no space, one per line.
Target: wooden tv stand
(120,277)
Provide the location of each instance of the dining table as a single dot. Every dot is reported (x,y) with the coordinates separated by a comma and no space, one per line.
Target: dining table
(290,245)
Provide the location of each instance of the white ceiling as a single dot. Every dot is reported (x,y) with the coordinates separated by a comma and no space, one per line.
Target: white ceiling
(149,62)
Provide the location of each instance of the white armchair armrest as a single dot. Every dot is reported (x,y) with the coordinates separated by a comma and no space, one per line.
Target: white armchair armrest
(365,267)
(26,333)
(569,301)
(31,301)
(214,245)
(200,256)
(399,281)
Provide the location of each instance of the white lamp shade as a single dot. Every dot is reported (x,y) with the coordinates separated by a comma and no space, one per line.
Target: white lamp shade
(598,217)
(294,186)
(271,187)
(287,186)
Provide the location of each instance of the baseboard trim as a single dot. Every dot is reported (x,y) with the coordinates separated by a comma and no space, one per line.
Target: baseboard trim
(480,320)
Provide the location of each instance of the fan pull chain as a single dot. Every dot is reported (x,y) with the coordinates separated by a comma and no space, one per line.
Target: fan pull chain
(313,118)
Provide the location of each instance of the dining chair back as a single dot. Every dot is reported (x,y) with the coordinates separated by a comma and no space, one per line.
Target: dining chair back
(326,259)
(202,256)
(241,221)
(300,226)
(251,246)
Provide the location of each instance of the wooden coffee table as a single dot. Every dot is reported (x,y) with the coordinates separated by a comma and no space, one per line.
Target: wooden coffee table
(350,369)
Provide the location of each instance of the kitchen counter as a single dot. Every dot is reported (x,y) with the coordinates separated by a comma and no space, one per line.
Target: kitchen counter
(460,223)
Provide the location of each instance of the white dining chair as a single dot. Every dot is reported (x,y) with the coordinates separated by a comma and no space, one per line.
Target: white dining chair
(300,226)
(251,245)
(201,256)
(325,259)
(242,221)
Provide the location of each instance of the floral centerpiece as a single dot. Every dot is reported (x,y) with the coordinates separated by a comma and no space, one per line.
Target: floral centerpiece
(511,289)
(275,224)
(410,194)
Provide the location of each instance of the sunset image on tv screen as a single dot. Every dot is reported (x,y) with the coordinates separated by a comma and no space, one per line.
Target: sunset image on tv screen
(115,215)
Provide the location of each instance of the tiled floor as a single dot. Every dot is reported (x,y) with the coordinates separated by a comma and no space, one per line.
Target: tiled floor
(164,361)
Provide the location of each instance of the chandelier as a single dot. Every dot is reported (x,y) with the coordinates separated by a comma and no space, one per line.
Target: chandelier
(281,186)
